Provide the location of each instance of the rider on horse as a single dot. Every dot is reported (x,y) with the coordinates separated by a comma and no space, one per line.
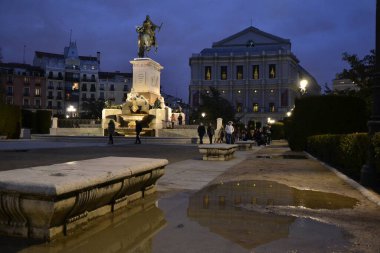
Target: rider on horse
(147,36)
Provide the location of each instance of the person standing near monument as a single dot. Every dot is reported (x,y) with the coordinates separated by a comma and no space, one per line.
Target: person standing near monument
(180,119)
(111,131)
(172,119)
(210,132)
(138,130)
(201,132)
(229,131)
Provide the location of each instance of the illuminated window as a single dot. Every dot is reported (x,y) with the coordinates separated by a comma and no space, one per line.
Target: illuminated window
(255,107)
(271,107)
(239,107)
(75,86)
(239,72)
(37,92)
(208,73)
(223,72)
(255,72)
(272,71)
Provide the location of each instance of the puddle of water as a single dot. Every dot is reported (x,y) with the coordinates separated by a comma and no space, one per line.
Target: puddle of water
(260,192)
(282,156)
(206,221)
(129,231)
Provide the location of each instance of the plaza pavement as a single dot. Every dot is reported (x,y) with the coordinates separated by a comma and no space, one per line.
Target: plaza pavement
(187,172)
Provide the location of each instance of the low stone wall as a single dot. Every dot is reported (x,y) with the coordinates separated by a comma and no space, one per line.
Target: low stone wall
(245,145)
(47,201)
(217,152)
(88,131)
(185,133)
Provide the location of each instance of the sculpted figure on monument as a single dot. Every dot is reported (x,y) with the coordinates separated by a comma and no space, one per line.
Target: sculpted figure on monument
(147,36)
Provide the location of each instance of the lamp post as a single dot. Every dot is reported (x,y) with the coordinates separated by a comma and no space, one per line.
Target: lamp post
(368,171)
(303,84)
(71,110)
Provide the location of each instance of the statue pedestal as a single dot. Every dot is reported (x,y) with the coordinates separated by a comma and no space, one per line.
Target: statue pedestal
(146,78)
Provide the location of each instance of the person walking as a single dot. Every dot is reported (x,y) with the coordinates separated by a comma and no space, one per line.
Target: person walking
(210,132)
(172,119)
(111,131)
(201,132)
(229,131)
(180,119)
(138,130)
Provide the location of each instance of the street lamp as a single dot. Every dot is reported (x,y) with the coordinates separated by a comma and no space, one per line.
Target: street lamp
(203,114)
(303,84)
(71,110)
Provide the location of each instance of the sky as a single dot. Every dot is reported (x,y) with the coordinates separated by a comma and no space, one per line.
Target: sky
(319,30)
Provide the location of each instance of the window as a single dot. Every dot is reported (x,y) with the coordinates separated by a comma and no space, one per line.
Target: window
(125,87)
(239,72)
(9,100)
(284,98)
(239,107)
(50,95)
(101,86)
(26,91)
(25,101)
(59,106)
(38,102)
(50,104)
(255,107)
(37,92)
(75,86)
(208,73)
(112,87)
(84,96)
(101,95)
(223,73)
(92,96)
(93,78)
(84,77)
(51,85)
(84,87)
(60,75)
(255,72)
(59,95)
(9,91)
(272,71)
(92,87)
(271,107)
(50,74)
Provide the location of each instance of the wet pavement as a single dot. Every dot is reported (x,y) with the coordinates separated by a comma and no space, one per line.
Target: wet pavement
(266,200)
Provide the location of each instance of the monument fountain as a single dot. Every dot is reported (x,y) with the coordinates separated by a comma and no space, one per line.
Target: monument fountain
(144,103)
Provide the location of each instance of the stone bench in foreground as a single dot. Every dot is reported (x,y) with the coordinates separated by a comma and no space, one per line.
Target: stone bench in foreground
(47,201)
(219,152)
(245,145)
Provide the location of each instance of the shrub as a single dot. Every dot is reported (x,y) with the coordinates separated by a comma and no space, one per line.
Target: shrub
(277,131)
(347,152)
(10,123)
(325,115)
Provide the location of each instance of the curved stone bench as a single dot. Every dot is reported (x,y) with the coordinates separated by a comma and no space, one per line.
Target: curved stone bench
(47,201)
(245,145)
(219,152)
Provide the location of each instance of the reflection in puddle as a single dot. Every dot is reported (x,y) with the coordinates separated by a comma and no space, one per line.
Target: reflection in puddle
(217,208)
(130,230)
(258,192)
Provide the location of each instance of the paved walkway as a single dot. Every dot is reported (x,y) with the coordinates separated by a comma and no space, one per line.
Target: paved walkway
(186,172)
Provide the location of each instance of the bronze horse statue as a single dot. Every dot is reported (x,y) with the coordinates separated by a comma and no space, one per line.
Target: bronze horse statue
(147,37)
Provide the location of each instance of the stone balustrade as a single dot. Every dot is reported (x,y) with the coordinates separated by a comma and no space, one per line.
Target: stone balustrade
(219,152)
(47,201)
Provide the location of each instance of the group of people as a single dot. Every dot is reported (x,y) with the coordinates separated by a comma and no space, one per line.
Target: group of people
(111,131)
(262,136)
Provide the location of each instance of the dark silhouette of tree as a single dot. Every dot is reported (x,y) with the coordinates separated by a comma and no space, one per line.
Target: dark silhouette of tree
(361,72)
(92,109)
(214,106)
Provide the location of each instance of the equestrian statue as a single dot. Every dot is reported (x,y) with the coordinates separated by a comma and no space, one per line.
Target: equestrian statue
(147,36)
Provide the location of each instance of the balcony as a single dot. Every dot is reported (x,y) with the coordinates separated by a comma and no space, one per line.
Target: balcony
(50,97)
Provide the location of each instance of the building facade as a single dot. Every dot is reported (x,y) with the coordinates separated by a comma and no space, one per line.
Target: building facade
(255,71)
(72,80)
(23,85)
